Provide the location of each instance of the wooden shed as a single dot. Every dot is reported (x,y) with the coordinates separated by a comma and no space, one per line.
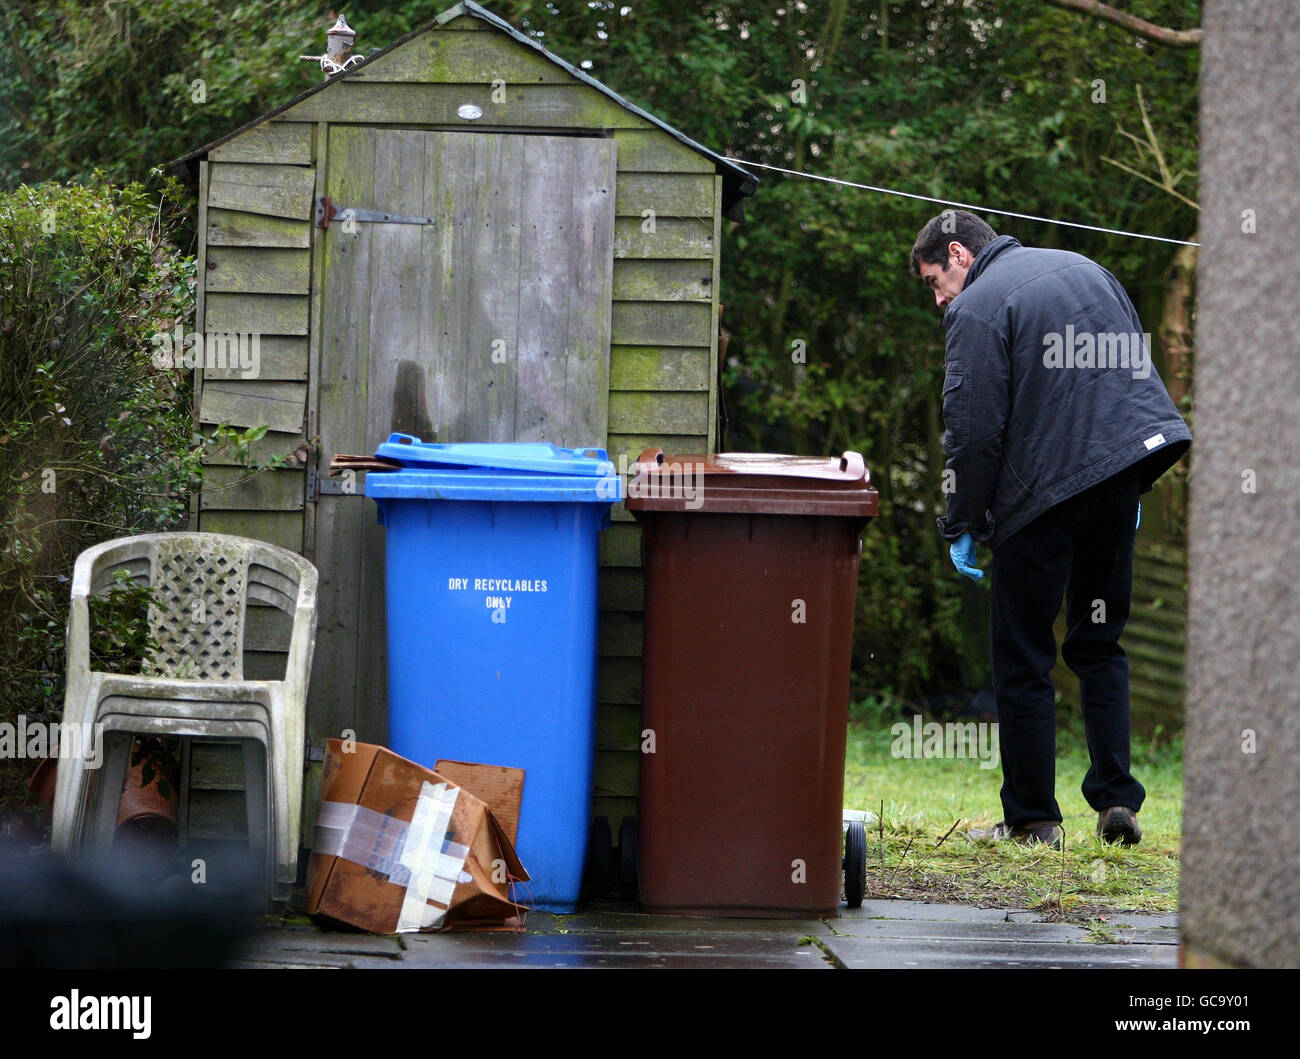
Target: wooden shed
(563,287)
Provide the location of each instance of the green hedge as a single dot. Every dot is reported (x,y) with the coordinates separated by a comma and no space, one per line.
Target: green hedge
(96,441)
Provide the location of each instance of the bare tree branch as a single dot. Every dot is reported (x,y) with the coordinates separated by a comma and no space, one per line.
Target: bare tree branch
(1174,38)
(1168,181)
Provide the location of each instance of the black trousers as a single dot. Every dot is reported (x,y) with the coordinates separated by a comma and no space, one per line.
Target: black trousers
(1082,548)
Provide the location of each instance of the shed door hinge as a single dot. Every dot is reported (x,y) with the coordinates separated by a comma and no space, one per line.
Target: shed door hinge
(318,486)
(327,211)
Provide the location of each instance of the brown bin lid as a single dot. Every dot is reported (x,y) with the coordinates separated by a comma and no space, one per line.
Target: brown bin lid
(757,483)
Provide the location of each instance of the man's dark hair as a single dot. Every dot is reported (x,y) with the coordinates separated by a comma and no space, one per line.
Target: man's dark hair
(931,246)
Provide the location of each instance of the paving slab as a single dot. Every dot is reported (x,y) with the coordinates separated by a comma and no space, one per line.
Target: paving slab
(891,934)
(314,948)
(863,953)
(924,910)
(624,920)
(1029,933)
(607,950)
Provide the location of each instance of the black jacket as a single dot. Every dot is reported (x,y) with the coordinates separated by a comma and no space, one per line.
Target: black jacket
(1031,418)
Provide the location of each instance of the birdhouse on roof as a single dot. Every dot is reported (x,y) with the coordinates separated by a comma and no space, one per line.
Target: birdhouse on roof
(464,238)
(338,55)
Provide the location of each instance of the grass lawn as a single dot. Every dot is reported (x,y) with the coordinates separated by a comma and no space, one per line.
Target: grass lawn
(908,855)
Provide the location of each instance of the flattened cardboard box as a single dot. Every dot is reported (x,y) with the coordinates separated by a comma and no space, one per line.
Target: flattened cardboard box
(502,788)
(399,848)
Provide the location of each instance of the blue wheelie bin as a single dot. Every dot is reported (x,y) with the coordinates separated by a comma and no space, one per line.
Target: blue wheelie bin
(492,624)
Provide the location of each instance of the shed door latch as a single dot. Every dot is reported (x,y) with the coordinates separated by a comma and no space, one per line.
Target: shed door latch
(327,211)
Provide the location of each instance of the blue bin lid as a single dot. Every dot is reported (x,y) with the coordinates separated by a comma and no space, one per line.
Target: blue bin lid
(529,471)
(535,456)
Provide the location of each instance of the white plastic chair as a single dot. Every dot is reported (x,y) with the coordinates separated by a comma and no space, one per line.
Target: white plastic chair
(203,583)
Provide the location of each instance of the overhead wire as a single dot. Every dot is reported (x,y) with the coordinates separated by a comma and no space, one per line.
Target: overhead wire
(961,205)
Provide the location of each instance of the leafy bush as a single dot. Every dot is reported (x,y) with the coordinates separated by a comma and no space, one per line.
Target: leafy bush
(96,440)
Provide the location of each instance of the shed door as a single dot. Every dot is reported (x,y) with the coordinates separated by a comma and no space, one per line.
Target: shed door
(491,324)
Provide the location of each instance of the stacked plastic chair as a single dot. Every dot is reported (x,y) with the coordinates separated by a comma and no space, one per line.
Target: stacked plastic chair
(202,586)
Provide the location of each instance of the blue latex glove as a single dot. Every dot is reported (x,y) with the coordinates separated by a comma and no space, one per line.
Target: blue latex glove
(962,552)
(1139,524)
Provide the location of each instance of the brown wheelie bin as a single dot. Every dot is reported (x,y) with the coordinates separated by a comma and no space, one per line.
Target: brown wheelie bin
(751,570)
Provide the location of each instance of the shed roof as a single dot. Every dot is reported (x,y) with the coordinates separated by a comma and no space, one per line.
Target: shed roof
(737,183)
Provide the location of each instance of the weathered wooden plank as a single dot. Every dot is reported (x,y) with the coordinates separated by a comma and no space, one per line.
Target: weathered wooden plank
(620,681)
(274,190)
(268,314)
(265,665)
(396,376)
(234,489)
(234,228)
(1165,618)
(270,446)
(590,272)
(1143,652)
(201,257)
(266,628)
(666,194)
(658,368)
(274,358)
(621,589)
(217,814)
(320,142)
(617,774)
(632,445)
(618,727)
(258,270)
(1159,574)
(715,311)
(655,151)
(615,808)
(274,142)
(661,324)
(552,106)
(620,545)
(638,280)
(511,396)
(620,513)
(447,314)
(281,528)
(1159,698)
(626,449)
(310,801)
(667,412)
(275,405)
(668,237)
(216,765)
(438,59)
(620,632)
(342,382)
(1172,638)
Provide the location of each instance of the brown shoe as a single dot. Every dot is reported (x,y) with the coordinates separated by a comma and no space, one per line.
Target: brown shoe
(1047,832)
(1119,824)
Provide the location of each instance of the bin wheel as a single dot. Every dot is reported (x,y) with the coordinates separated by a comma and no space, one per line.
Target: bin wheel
(627,881)
(600,858)
(855,863)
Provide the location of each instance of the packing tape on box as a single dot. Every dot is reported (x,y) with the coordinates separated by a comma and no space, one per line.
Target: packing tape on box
(417,856)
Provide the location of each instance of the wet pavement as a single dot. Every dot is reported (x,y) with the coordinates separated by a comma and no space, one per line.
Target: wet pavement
(880,934)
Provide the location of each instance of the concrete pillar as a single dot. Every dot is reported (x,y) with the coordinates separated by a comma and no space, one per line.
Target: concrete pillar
(1240,886)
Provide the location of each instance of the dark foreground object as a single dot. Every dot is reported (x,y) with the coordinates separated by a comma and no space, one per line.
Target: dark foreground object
(56,915)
